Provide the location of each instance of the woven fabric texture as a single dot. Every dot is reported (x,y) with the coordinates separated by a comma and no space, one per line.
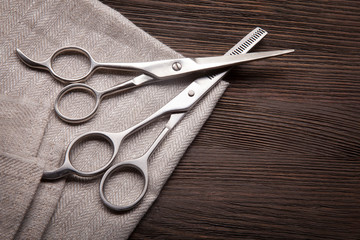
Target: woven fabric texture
(22,125)
(71,208)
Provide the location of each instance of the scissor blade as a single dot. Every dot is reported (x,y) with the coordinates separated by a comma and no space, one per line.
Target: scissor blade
(225,61)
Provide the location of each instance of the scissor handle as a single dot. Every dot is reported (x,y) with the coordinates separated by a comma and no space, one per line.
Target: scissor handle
(140,165)
(73,88)
(97,95)
(48,63)
(114,139)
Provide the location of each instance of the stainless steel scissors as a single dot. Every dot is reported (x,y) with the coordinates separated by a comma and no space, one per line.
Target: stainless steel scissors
(152,71)
(177,108)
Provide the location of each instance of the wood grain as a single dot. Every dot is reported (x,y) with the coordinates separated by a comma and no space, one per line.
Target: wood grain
(280,156)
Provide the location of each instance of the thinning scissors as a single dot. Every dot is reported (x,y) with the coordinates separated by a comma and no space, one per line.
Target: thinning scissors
(176,108)
(152,71)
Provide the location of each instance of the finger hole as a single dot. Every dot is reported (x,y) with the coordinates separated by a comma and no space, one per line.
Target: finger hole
(91,153)
(71,64)
(124,186)
(76,105)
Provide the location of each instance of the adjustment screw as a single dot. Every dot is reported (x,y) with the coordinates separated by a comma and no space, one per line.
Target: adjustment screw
(176,66)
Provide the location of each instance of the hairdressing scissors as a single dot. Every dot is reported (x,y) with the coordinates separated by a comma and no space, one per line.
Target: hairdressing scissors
(176,108)
(152,71)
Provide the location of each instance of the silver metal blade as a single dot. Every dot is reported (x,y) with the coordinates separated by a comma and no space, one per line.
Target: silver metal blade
(198,88)
(225,61)
(248,42)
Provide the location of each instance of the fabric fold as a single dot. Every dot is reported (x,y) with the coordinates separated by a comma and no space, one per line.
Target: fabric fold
(20,178)
(71,208)
(22,125)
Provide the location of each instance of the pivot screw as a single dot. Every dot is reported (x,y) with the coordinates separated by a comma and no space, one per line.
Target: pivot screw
(191,93)
(176,66)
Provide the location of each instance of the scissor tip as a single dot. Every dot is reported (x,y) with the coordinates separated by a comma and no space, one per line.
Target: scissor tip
(286,51)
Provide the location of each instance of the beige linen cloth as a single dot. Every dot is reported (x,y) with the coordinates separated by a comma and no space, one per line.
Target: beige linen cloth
(33,139)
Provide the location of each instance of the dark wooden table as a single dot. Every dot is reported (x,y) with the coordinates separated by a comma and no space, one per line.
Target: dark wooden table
(280,156)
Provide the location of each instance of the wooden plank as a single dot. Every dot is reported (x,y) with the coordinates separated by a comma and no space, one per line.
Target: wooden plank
(280,156)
